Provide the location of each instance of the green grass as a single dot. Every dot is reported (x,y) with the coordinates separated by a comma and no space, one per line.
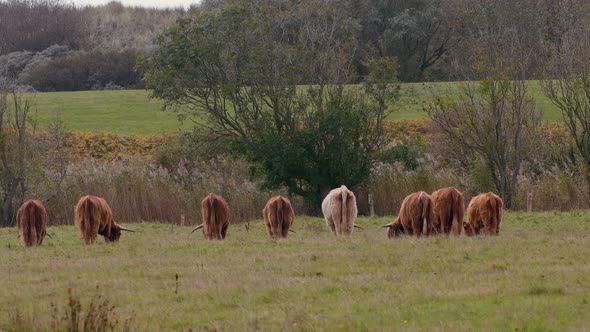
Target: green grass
(132,112)
(121,112)
(534,277)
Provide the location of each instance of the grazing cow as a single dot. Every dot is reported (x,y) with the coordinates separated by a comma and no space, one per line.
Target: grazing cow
(31,220)
(215,214)
(278,217)
(339,209)
(449,208)
(485,213)
(94,216)
(415,216)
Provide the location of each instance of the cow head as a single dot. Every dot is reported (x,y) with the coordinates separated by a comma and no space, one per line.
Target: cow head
(469,231)
(115,232)
(394,229)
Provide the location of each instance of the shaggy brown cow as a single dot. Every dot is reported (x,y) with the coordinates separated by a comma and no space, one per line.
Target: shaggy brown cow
(415,216)
(94,216)
(339,208)
(31,220)
(449,208)
(215,215)
(278,217)
(485,213)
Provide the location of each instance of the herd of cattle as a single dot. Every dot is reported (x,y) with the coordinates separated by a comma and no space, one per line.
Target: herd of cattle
(420,215)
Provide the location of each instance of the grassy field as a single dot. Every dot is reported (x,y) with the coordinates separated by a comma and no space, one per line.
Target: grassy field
(534,277)
(132,112)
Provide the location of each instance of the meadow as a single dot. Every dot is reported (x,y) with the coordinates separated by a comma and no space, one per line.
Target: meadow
(132,112)
(535,276)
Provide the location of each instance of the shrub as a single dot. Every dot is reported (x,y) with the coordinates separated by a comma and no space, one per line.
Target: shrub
(83,70)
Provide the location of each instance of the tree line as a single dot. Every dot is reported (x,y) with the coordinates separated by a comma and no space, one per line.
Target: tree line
(433,40)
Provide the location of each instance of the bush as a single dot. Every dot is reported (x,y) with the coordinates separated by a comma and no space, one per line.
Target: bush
(12,64)
(83,70)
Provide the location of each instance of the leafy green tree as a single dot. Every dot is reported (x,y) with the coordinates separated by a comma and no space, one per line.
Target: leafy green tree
(235,72)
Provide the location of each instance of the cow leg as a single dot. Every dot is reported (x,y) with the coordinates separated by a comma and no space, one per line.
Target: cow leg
(330,222)
(492,227)
(338,225)
(285,229)
(269,230)
(418,226)
(224,231)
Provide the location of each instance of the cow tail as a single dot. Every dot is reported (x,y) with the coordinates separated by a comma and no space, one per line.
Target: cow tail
(85,223)
(32,224)
(458,212)
(344,213)
(279,217)
(493,208)
(211,224)
(425,213)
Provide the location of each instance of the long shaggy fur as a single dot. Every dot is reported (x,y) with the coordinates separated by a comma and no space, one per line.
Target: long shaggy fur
(449,209)
(94,216)
(415,216)
(340,211)
(215,213)
(278,217)
(485,214)
(31,220)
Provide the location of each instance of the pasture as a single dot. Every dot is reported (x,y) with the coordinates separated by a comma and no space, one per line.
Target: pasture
(132,112)
(535,276)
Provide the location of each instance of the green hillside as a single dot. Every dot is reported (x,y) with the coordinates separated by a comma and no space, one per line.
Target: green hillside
(132,112)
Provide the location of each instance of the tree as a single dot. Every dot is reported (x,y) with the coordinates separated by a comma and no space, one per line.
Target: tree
(14,150)
(235,72)
(568,85)
(493,121)
(34,25)
(420,36)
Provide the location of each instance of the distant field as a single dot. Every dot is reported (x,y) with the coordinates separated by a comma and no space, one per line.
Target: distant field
(132,112)
(534,277)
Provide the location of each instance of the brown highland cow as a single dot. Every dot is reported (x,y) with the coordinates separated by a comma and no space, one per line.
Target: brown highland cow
(278,217)
(94,216)
(415,216)
(485,213)
(31,220)
(449,208)
(215,215)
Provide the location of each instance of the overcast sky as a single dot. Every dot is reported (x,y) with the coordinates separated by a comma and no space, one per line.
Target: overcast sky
(142,3)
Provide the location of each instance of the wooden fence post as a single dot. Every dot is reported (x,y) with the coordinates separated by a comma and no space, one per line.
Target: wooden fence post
(529,201)
(371,206)
(181,217)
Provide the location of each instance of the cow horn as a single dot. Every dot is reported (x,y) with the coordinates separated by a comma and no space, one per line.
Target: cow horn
(194,229)
(387,226)
(125,229)
(292,231)
(51,237)
(357,226)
